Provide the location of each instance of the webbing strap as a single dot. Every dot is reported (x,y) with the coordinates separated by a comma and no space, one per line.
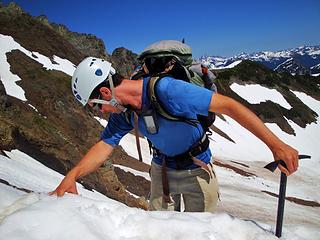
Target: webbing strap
(154,101)
(184,160)
(137,135)
(165,183)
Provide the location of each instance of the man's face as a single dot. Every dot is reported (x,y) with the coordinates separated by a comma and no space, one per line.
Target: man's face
(107,108)
(104,106)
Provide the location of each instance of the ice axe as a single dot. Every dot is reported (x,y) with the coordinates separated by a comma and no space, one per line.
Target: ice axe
(282,191)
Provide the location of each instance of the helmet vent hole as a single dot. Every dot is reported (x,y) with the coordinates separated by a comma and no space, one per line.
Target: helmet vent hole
(78,96)
(98,72)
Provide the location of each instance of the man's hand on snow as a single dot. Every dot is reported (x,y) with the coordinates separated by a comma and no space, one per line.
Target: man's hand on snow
(68,184)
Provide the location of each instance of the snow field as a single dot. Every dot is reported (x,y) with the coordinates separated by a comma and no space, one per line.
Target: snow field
(91,215)
(7,44)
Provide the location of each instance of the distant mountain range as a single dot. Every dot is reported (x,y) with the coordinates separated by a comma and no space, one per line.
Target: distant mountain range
(302,60)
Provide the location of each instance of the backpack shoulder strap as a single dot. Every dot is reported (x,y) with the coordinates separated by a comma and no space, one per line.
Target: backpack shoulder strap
(158,106)
(155,103)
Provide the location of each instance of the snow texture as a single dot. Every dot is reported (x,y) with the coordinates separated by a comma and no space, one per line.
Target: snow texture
(92,216)
(256,94)
(9,80)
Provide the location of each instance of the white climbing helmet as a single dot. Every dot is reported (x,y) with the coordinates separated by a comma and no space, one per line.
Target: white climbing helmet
(88,75)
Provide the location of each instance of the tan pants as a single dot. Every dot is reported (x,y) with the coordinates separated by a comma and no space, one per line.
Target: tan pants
(198,187)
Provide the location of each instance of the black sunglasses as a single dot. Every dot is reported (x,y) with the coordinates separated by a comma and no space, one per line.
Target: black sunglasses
(95,95)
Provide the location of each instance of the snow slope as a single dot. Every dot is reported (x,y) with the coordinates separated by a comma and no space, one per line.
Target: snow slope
(90,215)
(304,141)
(256,94)
(7,44)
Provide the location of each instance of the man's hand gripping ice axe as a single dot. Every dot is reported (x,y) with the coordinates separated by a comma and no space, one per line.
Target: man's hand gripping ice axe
(282,191)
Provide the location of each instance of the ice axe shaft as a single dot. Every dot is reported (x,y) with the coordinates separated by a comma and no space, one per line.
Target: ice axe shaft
(281,201)
(282,191)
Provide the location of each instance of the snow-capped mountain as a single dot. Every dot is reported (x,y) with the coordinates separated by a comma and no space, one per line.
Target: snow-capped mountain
(292,66)
(301,60)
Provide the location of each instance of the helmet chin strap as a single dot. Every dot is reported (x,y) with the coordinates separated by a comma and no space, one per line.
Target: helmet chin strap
(114,102)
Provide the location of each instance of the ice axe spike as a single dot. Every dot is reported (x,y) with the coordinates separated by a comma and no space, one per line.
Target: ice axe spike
(282,191)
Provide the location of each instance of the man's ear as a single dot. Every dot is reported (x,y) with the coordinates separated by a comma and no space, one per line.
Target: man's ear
(106,93)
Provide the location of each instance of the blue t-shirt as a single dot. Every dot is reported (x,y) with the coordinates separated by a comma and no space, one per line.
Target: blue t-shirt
(174,137)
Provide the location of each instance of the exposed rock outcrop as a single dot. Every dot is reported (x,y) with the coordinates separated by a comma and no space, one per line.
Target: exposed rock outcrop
(51,126)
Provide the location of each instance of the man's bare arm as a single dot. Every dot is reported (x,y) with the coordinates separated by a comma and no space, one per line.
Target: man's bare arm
(94,158)
(245,117)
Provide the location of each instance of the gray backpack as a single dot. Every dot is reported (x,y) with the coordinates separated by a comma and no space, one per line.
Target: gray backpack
(174,58)
(196,73)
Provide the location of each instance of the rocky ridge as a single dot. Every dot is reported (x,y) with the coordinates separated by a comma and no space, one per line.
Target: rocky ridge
(51,126)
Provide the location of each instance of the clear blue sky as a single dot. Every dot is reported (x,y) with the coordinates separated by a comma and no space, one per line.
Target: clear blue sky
(222,28)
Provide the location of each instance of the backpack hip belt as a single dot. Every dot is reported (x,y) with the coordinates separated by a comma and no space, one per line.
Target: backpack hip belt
(184,160)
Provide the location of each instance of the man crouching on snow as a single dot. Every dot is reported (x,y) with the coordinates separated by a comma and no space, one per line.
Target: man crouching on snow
(96,84)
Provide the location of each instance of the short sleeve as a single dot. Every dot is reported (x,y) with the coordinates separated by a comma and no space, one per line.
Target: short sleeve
(117,127)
